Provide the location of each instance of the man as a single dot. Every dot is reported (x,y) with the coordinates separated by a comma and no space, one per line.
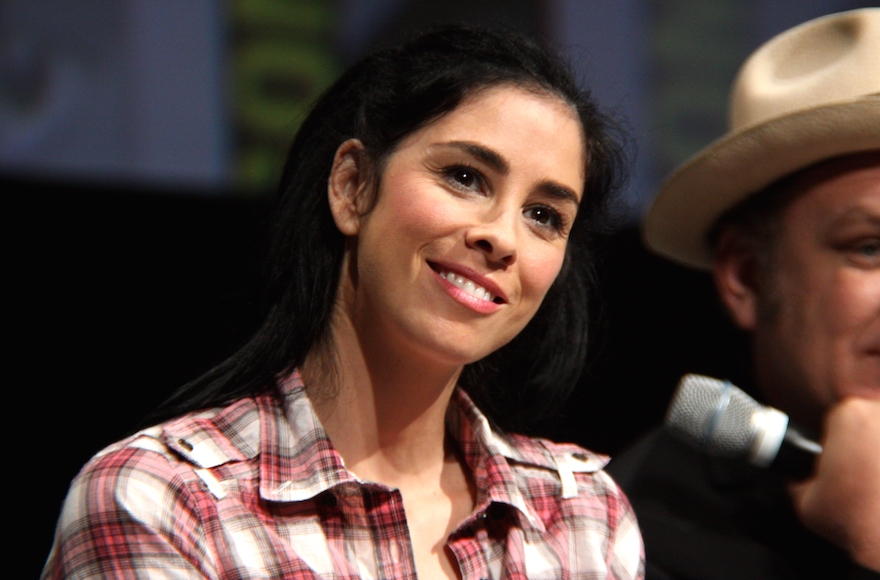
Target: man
(785,211)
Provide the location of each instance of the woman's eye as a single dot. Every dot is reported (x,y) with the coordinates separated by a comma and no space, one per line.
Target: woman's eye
(544,216)
(465,178)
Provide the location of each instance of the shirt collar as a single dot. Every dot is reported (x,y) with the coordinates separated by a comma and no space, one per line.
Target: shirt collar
(297,461)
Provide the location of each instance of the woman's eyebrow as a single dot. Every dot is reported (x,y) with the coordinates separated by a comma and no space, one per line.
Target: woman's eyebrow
(558,191)
(499,164)
(484,154)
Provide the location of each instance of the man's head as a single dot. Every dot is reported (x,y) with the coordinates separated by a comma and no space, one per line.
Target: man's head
(785,209)
(802,273)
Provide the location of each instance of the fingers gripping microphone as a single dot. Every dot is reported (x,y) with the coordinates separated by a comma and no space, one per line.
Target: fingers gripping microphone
(719,419)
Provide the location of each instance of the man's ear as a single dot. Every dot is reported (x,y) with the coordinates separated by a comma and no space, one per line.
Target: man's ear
(347,186)
(735,271)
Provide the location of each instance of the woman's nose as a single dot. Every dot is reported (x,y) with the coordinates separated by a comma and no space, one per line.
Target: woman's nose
(495,236)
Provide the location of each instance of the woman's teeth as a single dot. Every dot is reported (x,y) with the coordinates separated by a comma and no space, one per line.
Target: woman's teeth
(468,286)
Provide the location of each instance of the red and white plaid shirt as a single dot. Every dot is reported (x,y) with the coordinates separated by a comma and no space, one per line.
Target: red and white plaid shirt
(256,490)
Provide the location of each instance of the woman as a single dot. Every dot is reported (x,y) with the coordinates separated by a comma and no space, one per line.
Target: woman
(432,239)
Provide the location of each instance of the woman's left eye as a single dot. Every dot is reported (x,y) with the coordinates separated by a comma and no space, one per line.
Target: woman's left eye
(545,217)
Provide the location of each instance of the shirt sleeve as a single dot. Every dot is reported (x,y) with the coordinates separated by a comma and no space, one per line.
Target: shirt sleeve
(626,549)
(129,514)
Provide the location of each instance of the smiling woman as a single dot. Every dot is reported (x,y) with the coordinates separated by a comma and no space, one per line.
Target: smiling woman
(431,251)
(469,201)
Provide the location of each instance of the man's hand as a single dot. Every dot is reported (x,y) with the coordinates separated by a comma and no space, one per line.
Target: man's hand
(841,501)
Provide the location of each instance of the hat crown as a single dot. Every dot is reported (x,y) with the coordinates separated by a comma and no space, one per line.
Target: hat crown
(829,60)
(812,93)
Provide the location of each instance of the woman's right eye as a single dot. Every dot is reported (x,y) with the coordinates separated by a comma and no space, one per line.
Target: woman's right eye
(464,178)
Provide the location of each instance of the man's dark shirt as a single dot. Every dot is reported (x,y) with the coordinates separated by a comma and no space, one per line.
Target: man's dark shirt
(708,518)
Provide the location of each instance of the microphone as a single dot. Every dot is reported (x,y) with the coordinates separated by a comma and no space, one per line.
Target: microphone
(719,419)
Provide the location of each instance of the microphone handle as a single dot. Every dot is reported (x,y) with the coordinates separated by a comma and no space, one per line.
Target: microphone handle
(797,455)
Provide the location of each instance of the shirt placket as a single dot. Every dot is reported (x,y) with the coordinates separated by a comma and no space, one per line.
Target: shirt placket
(470,545)
(392,542)
(377,513)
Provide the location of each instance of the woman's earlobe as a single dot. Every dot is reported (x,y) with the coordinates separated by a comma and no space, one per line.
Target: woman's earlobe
(347,186)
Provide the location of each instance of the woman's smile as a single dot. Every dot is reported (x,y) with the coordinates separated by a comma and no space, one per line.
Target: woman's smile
(469,288)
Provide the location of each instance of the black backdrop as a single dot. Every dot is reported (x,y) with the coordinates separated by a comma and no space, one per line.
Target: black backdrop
(116,296)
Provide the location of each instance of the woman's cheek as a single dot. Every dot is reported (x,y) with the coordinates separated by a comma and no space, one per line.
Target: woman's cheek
(543,269)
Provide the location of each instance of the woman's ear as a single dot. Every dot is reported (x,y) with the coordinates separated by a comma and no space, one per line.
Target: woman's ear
(347,186)
(735,271)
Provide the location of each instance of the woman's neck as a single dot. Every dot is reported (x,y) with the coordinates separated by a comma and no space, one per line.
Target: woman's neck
(385,409)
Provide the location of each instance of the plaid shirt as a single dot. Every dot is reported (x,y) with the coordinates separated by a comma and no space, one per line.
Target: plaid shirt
(256,490)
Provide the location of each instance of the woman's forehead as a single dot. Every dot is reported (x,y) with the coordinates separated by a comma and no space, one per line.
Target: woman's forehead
(499,111)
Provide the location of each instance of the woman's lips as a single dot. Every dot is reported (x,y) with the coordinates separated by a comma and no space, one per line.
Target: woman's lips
(478,292)
(468,286)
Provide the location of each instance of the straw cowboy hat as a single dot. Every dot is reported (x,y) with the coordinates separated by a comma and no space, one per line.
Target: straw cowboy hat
(809,94)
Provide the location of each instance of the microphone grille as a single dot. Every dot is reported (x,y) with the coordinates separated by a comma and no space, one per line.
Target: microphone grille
(712,415)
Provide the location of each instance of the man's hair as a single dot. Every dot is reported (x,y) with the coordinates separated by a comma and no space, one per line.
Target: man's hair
(380,100)
(756,220)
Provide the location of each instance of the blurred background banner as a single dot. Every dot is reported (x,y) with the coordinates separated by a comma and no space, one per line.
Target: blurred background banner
(205,94)
(140,141)
(128,91)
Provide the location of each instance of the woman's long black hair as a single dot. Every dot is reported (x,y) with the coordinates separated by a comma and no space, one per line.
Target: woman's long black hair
(380,100)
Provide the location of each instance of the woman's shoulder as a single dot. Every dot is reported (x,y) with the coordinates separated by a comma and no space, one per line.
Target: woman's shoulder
(203,438)
(557,469)
(564,458)
(540,450)
(564,471)
(153,491)
(175,456)
(565,485)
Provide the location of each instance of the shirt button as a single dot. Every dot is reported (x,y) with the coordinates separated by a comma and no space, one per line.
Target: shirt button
(395,552)
(185,444)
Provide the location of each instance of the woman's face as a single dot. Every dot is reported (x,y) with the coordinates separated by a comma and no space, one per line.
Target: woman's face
(469,227)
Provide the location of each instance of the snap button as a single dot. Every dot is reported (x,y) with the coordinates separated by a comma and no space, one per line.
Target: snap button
(395,552)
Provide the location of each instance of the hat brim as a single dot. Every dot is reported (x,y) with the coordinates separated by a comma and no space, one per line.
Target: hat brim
(745,162)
